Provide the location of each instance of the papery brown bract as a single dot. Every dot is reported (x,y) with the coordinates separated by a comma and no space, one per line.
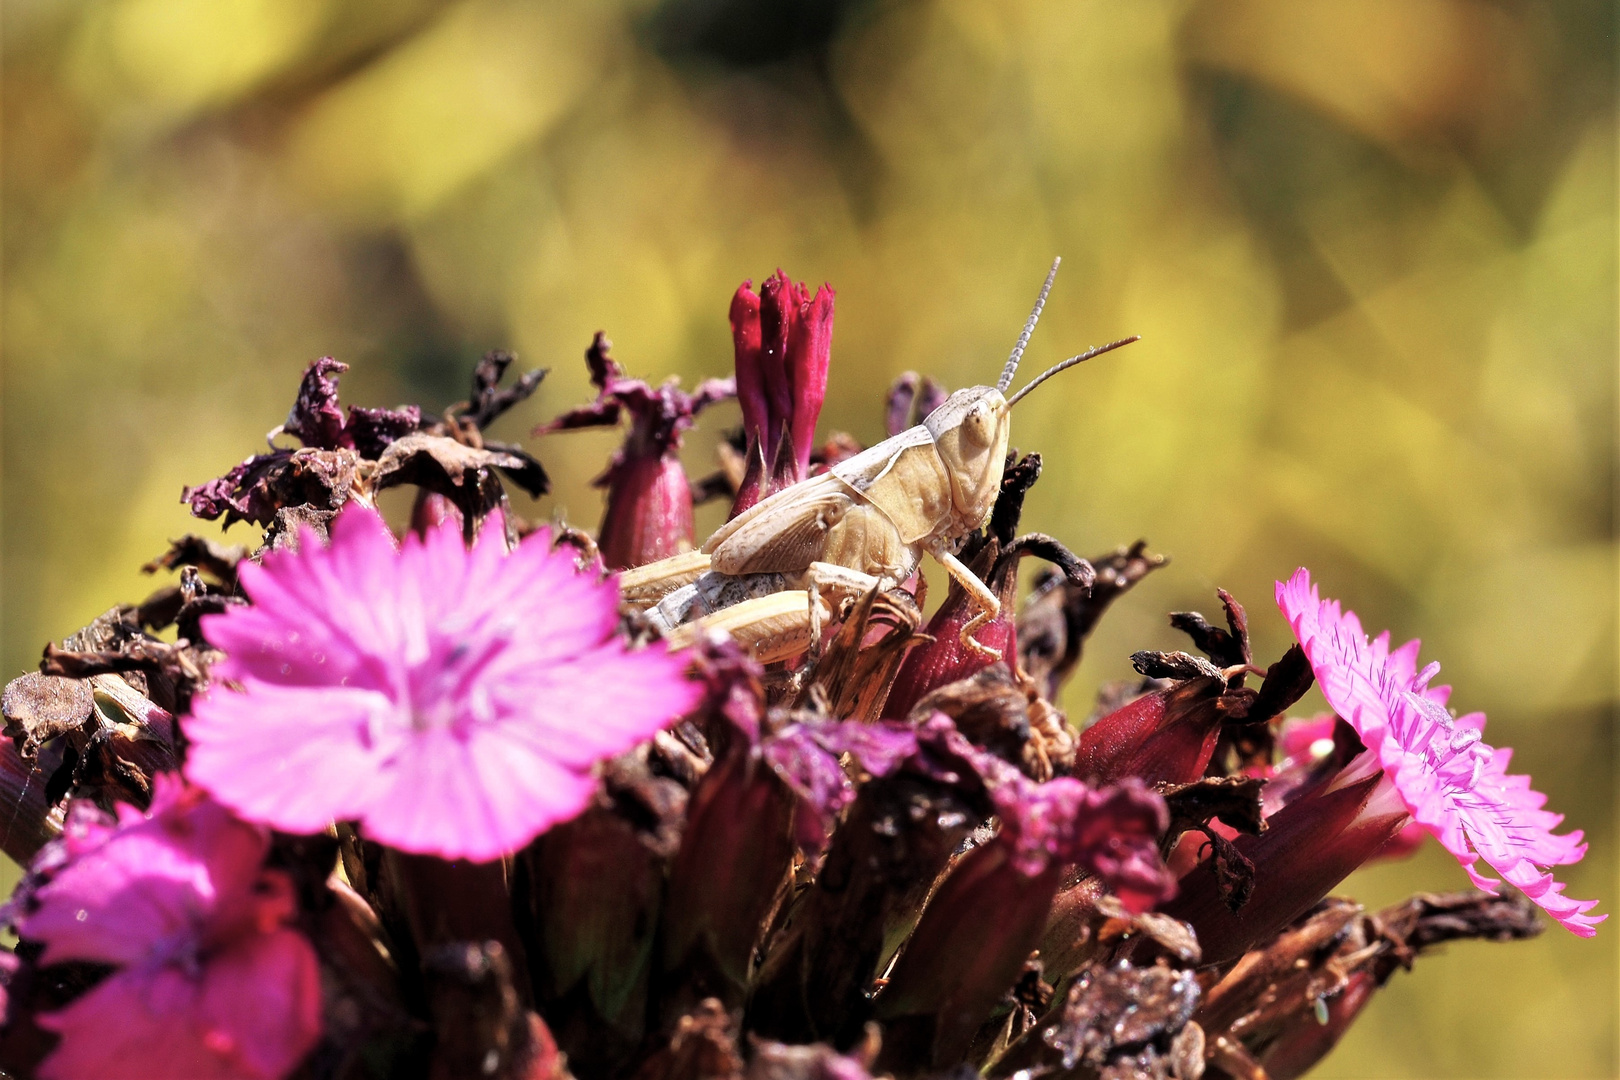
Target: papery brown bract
(1288,1001)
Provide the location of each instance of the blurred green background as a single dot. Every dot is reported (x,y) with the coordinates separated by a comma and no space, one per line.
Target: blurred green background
(1370,246)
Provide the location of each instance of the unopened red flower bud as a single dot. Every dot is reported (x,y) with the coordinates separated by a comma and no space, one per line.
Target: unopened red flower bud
(649,511)
(960,962)
(1164,737)
(783,343)
(430,510)
(1309,846)
(948,659)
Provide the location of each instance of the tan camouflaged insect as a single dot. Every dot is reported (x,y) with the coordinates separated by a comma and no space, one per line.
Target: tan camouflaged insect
(865,522)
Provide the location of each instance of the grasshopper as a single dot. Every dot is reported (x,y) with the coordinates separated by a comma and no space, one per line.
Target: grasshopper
(863,524)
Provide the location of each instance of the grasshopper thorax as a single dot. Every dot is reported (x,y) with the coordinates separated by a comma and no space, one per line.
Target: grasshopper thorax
(970,433)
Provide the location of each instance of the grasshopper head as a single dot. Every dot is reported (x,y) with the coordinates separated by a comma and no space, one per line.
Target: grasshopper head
(970,432)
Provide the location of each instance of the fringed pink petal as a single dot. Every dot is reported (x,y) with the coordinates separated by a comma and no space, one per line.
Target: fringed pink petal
(1452,782)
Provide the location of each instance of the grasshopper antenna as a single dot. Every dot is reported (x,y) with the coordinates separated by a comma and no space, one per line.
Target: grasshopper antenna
(1069,363)
(1011,369)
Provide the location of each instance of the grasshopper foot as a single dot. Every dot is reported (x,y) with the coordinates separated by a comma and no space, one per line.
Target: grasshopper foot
(986,651)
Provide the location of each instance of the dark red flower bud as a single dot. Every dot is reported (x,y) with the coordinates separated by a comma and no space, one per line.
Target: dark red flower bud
(430,510)
(1314,842)
(649,512)
(981,924)
(783,342)
(1163,737)
(947,659)
(649,503)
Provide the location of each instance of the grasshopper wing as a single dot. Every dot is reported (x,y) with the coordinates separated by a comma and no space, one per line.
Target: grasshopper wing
(784,533)
(905,479)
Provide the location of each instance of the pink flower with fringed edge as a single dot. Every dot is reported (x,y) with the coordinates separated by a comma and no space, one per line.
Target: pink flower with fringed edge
(452,701)
(1453,783)
(211,982)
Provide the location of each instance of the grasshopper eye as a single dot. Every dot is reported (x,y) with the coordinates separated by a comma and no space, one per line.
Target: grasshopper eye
(978,424)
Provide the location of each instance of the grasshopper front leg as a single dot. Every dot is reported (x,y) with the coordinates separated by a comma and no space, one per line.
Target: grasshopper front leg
(989,605)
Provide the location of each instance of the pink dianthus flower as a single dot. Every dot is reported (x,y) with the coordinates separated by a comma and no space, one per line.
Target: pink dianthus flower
(1453,783)
(211,984)
(453,701)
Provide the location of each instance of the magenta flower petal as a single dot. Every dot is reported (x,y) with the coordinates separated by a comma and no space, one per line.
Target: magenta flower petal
(252,1014)
(137,888)
(1453,783)
(453,701)
(210,983)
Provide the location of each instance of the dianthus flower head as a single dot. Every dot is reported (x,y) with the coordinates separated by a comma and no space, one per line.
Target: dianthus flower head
(210,982)
(452,701)
(1453,783)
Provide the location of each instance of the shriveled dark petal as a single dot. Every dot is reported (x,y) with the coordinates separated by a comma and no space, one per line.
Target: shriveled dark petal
(418,456)
(1236,800)
(897,406)
(603,412)
(316,419)
(463,474)
(209,556)
(878,748)
(814,775)
(242,494)
(930,397)
(1116,1011)
(371,430)
(1174,665)
(1286,682)
(1226,647)
(1117,839)
(734,697)
(290,521)
(989,708)
(806,756)
(1059,616)
(488,401)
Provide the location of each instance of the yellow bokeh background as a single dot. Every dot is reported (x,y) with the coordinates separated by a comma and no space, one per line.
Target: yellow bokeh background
(1370,246)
